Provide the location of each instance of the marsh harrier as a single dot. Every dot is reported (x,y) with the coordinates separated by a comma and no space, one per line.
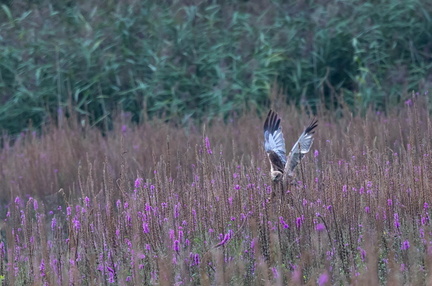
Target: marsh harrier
(274,144)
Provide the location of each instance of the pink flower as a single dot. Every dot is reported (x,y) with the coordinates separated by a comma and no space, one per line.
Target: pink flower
(323,279)
(320,227)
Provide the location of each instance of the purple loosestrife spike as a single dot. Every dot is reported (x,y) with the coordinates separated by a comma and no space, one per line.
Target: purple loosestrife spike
(196,259)
(87,201)
(323,279)
(299,221)
(176,245)
(171,234)
(396,221)
(252,244)
(320,227)
(208,147)
(42,268)
(138,182)
(124,128)
(76,223)
(35,204)
(283,223)
(111,277)
(224,240)
(405,245)
(421,233)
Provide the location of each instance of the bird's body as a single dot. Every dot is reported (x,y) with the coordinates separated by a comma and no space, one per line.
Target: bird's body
(274,144)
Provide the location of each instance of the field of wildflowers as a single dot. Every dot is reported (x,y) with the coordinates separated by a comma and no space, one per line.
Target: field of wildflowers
(157,205)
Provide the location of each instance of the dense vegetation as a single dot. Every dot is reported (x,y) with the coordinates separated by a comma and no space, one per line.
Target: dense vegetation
(206,59)
(157,205)
(146,202)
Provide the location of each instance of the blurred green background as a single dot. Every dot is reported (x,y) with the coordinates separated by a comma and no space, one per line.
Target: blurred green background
(188,59)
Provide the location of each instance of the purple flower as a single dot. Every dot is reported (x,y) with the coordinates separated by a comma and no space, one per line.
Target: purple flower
(76,223)
(196,259)
(344,188)
(320,227)
(42,268)
(87,201)
(396,221)
(225,239)
(237,187)
(283,223)
(405,245)
(362,253)
(53,223)
(138,182)
(323,279)
(316,153)
(299,221)
(124,128)
(207,145)
(35,205)
(408,102)
(176,245)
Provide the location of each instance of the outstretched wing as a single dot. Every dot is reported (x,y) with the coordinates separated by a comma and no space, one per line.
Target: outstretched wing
(274,142)
(301,147)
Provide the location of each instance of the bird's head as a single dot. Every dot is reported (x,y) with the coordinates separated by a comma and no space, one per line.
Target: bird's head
(276,176)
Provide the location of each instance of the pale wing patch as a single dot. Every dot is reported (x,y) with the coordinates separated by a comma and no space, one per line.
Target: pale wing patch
(301,147)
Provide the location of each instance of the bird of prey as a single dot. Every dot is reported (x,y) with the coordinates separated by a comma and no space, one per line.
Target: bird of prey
(274,144)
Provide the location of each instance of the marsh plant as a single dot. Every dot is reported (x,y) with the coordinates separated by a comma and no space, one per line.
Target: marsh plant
(153,204)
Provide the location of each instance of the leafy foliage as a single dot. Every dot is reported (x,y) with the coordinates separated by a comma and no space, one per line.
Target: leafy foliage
(192,59)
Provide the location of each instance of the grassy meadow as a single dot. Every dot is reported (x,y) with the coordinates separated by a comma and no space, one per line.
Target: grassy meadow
(132,145)
(153,204)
